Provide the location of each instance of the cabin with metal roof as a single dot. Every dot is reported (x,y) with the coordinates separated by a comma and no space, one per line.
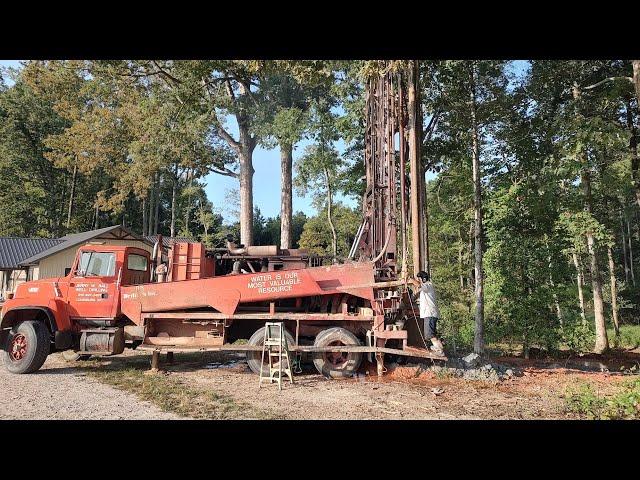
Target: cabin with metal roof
(23,259)
(13,251)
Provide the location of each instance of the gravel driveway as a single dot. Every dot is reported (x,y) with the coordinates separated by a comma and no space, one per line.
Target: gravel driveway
(59,392)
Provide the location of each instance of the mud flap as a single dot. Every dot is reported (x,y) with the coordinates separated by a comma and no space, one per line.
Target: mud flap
(4,333)
(63,340)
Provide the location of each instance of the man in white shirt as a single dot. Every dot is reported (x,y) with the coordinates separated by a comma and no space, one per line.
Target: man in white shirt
(429,313)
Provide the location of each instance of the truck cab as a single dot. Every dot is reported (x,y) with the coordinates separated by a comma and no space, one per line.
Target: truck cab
(93,284)
(80,311)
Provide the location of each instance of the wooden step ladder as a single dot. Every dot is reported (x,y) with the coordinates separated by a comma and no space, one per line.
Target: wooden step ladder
(277,351)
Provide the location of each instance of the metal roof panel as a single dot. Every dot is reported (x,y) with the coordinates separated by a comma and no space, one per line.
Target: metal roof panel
(14,250)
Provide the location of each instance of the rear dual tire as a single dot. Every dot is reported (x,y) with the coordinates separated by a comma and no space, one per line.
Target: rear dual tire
(27,348)
(254,357)
(329,364)
(337,364)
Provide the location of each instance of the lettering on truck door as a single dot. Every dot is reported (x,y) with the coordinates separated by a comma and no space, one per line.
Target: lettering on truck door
(92,288)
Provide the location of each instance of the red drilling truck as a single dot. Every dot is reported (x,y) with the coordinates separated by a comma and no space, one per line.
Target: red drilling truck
(198,299)
(108,302)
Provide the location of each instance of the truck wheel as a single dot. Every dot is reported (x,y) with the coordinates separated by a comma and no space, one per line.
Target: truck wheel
(71,356)
(337,364)
(27,348)
(254,358)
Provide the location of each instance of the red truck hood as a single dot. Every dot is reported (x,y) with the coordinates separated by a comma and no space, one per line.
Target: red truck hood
(35,288)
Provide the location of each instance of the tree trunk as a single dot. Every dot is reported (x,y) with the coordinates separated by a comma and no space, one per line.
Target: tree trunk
(286,162)
(244,148)
(156,212)
(633,150)
(460,262)
(602,343)
(624,250)
(552,284)
(633,275)
(144,217)
(97,224)
(334,241)
(54,214)
(152,195)
(246,198)
(187,208)
(614,292)
(478,343)
(174,188)
(580,280)
(416,194)
(636,79)
(72,195)
(553,288)
(63,197)
(470,275)
(205,224)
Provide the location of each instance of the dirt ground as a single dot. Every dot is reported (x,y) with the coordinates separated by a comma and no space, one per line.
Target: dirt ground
(405,392)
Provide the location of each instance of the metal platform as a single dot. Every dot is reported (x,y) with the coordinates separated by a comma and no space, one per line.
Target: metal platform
(408,352)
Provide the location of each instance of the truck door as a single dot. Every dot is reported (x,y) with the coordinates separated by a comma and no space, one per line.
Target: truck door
(92,286)
(137,269)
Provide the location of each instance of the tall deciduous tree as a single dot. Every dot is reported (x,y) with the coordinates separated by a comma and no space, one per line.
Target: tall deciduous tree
(283,122)
(321,168)
(469,95)
(289,88)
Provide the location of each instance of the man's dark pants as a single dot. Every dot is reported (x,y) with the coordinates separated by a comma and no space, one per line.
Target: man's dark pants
(430,324)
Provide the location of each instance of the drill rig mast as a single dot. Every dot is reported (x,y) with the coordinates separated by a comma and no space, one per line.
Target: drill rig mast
(394,200)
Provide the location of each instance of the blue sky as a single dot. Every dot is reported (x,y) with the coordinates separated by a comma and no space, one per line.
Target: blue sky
(266,180)
(10,63)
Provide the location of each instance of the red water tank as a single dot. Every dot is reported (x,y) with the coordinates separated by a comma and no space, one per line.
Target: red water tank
(188,261)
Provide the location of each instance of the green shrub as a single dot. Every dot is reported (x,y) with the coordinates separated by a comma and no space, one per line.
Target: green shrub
(623,405)
(584,401)
(579,337)
(456,326)
(629,336)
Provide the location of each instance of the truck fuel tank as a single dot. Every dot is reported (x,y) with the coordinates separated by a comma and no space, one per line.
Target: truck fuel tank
(102,341)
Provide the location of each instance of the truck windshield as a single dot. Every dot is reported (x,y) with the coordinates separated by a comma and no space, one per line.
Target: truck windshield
(97,264)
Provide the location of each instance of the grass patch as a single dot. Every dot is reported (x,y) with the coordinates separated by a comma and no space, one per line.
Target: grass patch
(623,405)
(169,393)
(629,336)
